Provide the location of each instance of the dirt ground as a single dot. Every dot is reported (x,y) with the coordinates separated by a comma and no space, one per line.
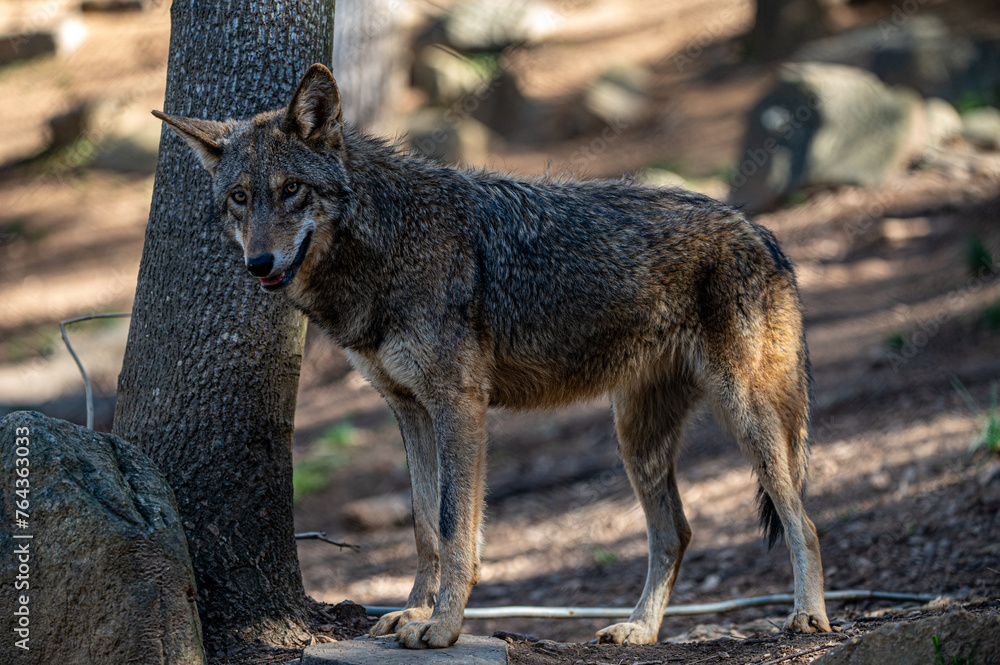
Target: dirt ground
(895,320)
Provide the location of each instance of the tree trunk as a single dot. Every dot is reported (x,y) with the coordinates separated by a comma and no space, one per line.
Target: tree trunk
(211,369)
(781,26)
(370,61)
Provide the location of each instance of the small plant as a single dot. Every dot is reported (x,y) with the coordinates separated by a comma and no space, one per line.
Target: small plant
(978,257)
(341,435)
(603,556)
(955,660)
(895,342)
(725,172)
(990,318)
(989,434)
(20,228)
(970,101)
(331,451)
(799,197)
(667,164)
(486,63)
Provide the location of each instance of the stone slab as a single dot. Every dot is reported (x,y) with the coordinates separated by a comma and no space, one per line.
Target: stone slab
(469,650)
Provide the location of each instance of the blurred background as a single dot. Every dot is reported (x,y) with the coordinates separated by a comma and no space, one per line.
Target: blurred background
(864,134)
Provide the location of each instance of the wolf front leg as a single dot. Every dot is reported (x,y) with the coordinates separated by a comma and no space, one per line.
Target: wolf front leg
(421,456)
(460,435)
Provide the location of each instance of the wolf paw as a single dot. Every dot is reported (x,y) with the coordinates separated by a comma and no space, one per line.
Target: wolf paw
(393,621)
(803,622)
(630,632)
(424,633)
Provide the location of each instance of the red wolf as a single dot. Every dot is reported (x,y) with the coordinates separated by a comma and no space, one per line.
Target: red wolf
(455,290)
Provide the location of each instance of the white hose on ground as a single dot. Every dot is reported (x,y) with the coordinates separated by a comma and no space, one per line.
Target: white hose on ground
(529,612)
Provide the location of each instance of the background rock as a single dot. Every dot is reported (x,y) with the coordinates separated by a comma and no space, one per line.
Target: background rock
(109,574)
(445,77)
(918,52)
(618,95)
(487,25)
(449,139)
(823,125)
(981,127)
(960,635)
(26,46)
(942,123)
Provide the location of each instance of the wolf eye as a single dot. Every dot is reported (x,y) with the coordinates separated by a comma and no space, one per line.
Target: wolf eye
(291,188)
(239,196)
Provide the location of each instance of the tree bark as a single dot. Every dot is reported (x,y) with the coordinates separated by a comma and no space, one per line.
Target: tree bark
(211,369)
(370,61)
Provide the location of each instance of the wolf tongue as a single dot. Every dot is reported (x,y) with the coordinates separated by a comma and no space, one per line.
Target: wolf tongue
(269,281)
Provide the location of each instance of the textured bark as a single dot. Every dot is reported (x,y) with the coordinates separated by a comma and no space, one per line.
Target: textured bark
(370,61)
(209,381)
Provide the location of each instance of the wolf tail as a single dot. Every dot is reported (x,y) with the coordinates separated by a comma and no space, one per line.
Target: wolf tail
(798,431)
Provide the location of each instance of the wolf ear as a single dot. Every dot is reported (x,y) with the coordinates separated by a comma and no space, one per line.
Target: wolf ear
(314,115)
(204,136)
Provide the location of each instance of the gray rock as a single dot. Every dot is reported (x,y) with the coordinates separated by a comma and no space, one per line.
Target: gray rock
(959,634)
(487,25)
(69,126)
(505,109)
(106,573)
(132,153)
(447,77)
(941,123)
(26,46)
(113,6)
(447,136)
(981,127)
(469,650)
(823,125)
(618,95)
(915,50)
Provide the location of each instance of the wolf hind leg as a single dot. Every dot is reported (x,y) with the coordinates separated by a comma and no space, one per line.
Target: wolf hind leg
(770,423)
(649,419)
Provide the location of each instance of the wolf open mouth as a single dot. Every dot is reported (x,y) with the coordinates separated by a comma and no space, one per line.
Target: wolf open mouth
(282,280)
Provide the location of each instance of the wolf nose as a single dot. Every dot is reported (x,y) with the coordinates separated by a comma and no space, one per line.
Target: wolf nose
(260,265)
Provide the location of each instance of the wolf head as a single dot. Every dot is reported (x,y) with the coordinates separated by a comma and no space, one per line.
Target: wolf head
(278,178)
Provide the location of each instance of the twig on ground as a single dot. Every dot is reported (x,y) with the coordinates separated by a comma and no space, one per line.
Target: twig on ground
(83,372)
(801,653)
(321,535)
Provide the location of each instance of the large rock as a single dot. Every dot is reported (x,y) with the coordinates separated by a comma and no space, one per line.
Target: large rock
(487,25)
(824,125)
(446,77)
(469,650)
(26,46)
(99,567)
(918,51)
(981,127)
(962,637)
(619,95)
(505,109)
(447,136)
